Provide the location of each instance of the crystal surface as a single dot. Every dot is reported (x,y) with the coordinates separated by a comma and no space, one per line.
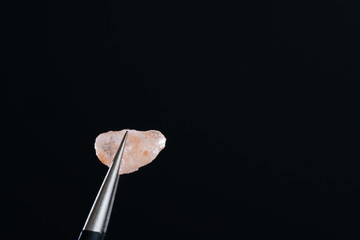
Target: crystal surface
(141,148)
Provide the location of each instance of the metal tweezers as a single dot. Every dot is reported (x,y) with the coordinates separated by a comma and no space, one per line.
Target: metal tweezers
(99,216)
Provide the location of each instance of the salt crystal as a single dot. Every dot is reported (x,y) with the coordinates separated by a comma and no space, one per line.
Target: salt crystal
(141,148)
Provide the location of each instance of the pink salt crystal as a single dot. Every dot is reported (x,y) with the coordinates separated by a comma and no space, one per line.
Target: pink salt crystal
(141,148)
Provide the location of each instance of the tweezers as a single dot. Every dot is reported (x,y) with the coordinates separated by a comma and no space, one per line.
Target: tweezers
(97,221)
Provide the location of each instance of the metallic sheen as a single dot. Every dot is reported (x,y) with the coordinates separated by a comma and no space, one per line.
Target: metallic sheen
(99,215)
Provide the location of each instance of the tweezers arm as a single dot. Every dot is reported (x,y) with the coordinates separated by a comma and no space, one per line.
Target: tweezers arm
(99,216)
(90,235)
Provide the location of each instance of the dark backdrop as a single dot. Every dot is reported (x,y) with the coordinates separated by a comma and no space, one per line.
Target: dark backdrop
(258,100)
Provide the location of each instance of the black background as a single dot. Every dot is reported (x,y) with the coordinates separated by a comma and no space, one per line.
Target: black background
(259,102)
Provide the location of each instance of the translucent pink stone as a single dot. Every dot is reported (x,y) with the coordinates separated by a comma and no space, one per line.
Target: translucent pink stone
(141,148)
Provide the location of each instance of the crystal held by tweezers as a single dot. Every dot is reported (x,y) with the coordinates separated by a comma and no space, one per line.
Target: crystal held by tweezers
(141,148)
